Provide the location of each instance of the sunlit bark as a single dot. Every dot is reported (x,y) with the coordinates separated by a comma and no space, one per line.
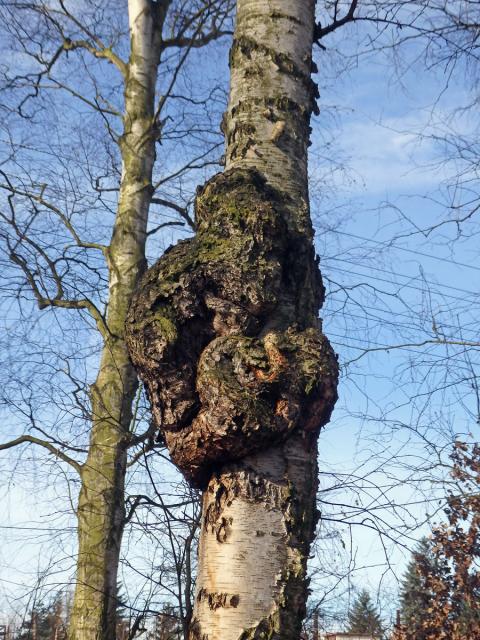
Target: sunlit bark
(259,515)
(101,502)
(224,331)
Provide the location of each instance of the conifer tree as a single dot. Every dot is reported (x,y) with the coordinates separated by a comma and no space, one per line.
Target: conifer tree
(167,625)
(45,621)
(364,617)
(415,597)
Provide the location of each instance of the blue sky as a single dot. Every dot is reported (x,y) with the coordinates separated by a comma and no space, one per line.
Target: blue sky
(374,184)
(399,282)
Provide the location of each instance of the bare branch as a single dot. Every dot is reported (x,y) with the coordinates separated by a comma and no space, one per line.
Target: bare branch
(42,443)
(423,343)
(183,211)
(320,32)
(54,209)
(159,227)
(105,53)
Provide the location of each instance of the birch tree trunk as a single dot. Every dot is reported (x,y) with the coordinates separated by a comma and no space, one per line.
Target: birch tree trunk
(224,331)
(259,515)
(101,502)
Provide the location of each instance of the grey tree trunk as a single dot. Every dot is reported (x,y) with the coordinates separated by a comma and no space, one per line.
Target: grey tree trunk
(101,502)
(224,331)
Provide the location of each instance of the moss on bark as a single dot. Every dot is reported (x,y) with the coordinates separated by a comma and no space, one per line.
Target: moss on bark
(101,501)
(242,383)
(223,330)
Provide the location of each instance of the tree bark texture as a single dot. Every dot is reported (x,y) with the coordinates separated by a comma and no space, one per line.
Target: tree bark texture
(101,501)
(224,332)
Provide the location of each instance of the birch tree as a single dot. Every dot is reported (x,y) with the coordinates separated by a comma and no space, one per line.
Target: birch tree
(224,331)
(49,34)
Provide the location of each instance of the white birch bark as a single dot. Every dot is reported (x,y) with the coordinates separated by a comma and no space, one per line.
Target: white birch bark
(259,515)
(272,94)
(257,525)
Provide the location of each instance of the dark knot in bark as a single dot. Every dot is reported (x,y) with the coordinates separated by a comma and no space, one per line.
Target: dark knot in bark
(223,330)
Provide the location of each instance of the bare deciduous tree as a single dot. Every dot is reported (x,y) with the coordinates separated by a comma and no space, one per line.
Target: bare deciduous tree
(92,267)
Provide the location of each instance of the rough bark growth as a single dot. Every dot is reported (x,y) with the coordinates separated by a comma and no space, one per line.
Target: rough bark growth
(257,525)
(224,331)
(223,336)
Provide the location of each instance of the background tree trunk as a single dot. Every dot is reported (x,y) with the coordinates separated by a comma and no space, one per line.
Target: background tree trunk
(101,503)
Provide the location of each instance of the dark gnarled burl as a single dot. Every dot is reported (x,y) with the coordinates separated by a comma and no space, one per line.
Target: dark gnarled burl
(223,330)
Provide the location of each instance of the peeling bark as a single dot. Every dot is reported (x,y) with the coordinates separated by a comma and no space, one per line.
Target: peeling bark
(267,501)
(224,332)
(272,96)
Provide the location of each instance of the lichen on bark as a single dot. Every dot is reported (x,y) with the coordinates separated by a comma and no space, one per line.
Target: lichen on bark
(223,330)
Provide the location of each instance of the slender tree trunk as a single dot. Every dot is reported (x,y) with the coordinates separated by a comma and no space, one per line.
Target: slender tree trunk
(259,515)
(316,634)
(101,502)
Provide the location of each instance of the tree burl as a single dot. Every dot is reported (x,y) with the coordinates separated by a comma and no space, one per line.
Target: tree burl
(224,330)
